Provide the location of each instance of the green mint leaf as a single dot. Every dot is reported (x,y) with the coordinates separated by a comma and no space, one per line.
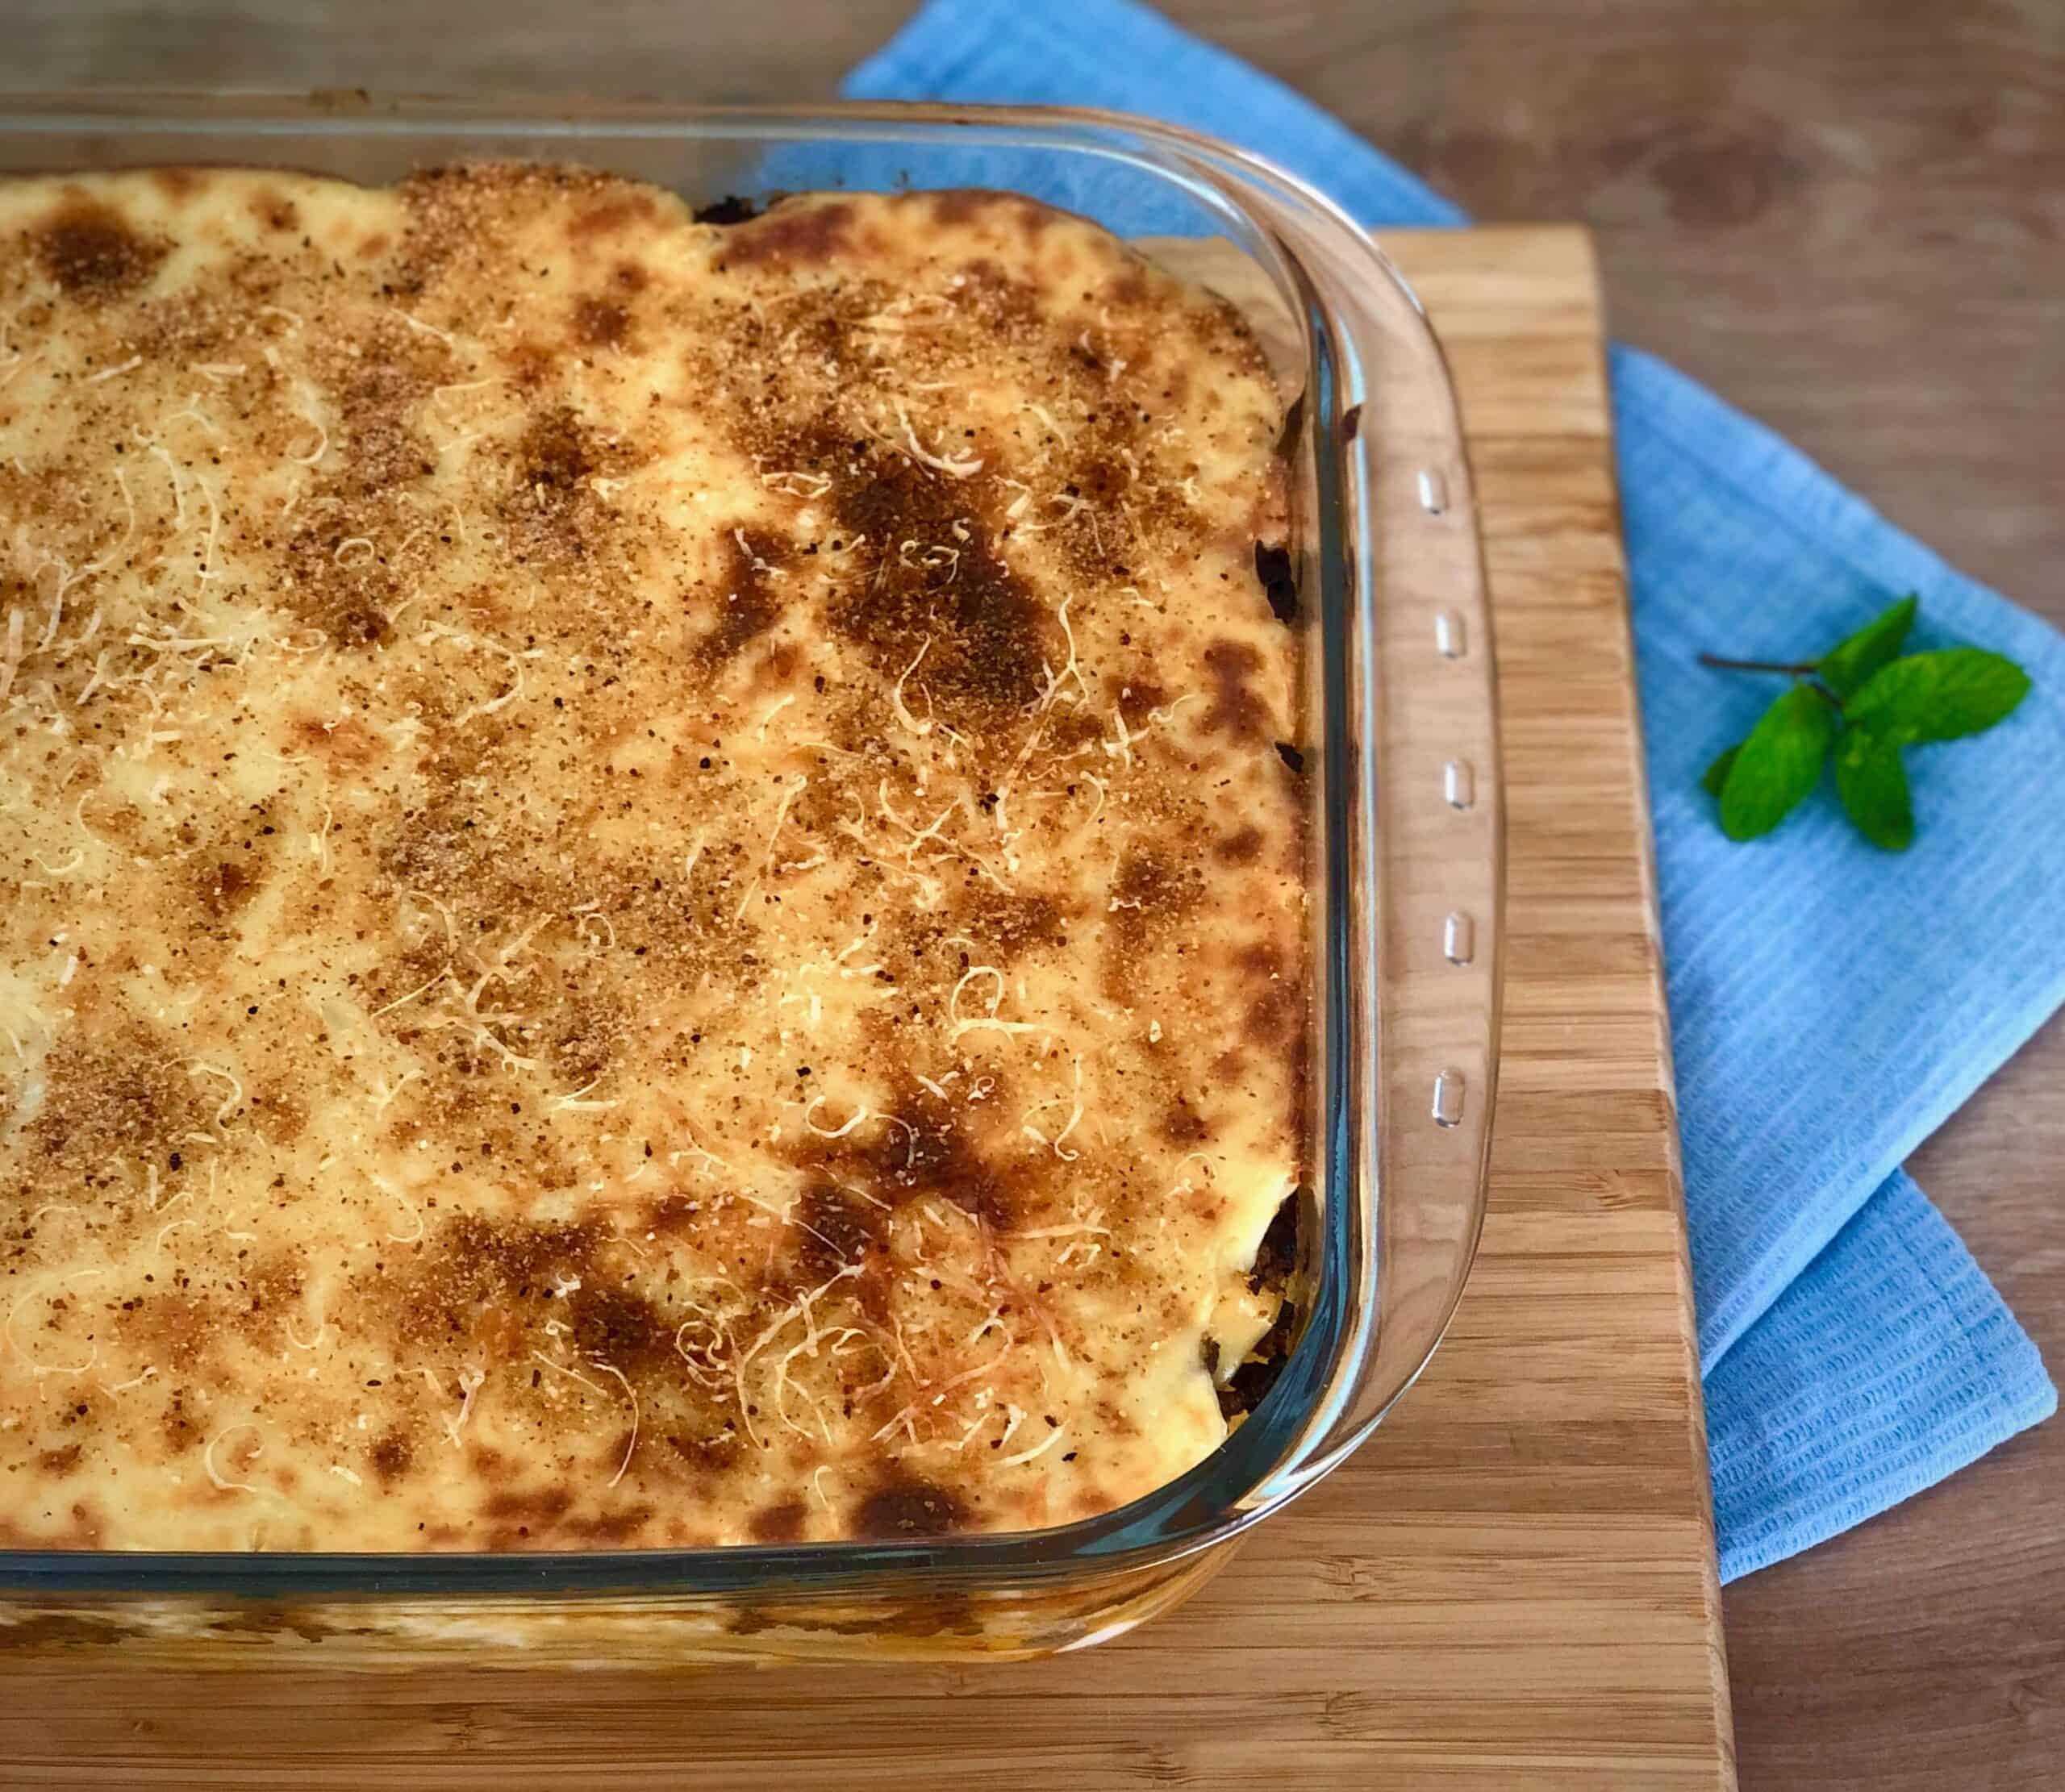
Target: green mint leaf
(1716,775)
(1872,784)
(1939,696)
(1846,666)
(1780,764)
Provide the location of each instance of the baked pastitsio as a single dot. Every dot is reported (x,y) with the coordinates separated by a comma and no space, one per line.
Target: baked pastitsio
(652,900)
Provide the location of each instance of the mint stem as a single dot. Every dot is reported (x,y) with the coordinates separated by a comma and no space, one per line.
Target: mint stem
(1803,669)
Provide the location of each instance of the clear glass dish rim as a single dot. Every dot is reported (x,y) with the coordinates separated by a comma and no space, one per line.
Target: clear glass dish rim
(1285,1445)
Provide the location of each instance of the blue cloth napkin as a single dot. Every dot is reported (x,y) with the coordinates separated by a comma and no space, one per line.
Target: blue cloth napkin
(1830,1005)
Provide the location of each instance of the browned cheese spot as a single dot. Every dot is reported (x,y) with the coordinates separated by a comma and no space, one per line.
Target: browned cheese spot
(124,1090)
(276,211)
(1242,847)
(1236,710)
(222,889)
(797,233)
(837,1228)
(780,1524)
(926,1148)
(1183,1125)
(987,638)
(1276,999)
(616,217)
(391,1455)
(556,518)
(1149,893)
(600,323)
(92,253)
(907,1507)
(749,602)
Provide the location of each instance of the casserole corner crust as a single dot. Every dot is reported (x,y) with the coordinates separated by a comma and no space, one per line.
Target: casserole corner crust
(651,899)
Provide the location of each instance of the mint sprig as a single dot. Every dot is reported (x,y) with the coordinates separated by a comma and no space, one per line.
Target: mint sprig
(1872,783)
(1861,703)
(1847,666)
(1780,763)
(1939,696)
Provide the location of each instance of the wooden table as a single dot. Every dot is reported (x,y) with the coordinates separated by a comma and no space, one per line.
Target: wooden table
(1848,216)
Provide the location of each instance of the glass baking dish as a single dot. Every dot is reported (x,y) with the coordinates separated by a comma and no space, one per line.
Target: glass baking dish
(1401,760)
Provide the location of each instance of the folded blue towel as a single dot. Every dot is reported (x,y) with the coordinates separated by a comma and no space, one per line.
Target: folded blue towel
(1830,1004)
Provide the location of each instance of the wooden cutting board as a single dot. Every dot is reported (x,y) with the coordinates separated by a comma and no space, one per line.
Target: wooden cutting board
(1511,1587)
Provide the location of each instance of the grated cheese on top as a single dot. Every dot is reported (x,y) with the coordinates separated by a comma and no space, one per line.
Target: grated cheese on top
(653,898)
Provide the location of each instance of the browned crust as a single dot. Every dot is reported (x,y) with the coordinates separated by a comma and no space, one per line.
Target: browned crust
(1034,619)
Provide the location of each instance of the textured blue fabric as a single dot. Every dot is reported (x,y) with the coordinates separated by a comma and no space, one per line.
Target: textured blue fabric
(1889,1362)
(1830,1004)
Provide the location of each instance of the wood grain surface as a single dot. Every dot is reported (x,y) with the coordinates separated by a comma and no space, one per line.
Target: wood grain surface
(1512,1588)
(1847,216)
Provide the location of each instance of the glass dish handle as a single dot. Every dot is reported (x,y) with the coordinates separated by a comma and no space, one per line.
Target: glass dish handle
(1418,791)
